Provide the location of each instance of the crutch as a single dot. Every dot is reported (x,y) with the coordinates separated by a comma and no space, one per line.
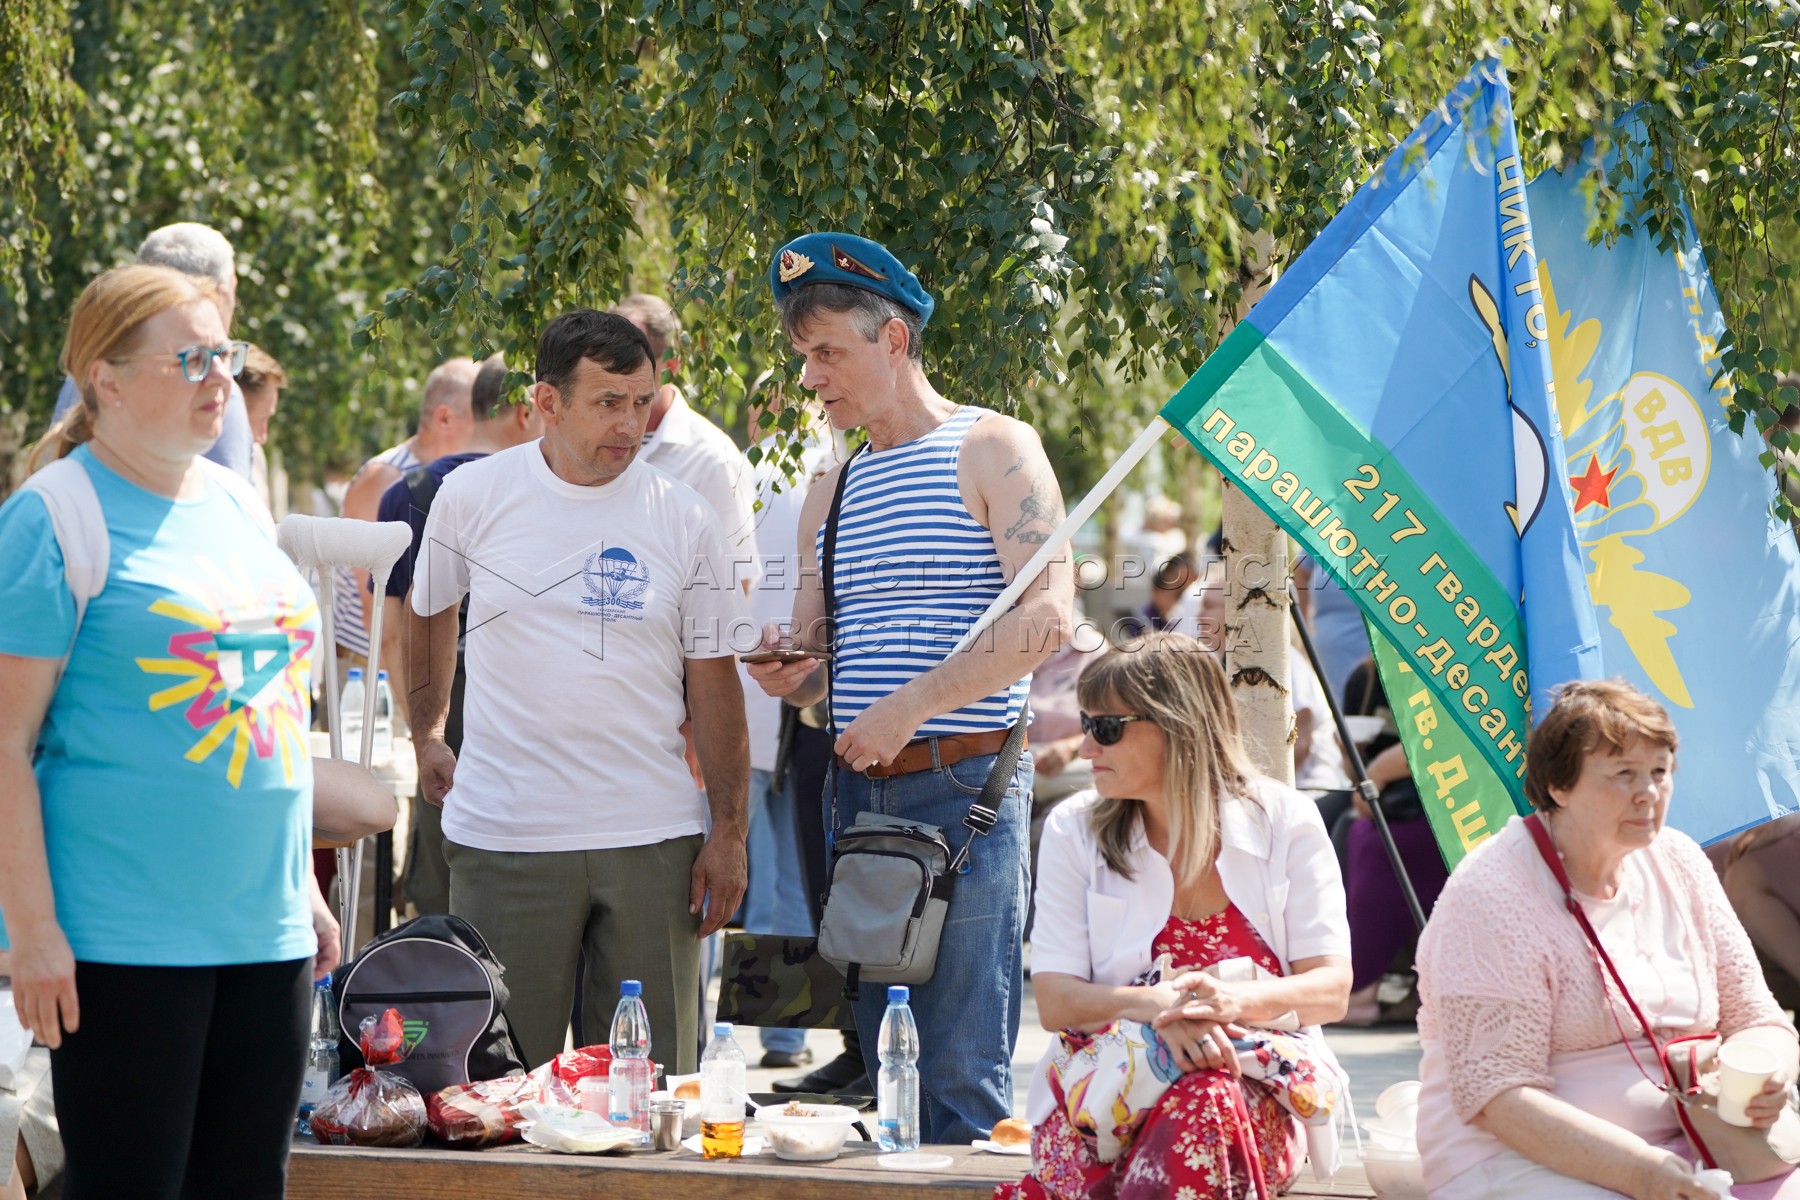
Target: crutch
(319,544)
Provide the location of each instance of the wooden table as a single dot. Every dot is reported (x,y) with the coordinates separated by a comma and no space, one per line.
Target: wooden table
(318,1172)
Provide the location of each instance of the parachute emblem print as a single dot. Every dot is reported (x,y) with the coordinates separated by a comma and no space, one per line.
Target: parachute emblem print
(615,581)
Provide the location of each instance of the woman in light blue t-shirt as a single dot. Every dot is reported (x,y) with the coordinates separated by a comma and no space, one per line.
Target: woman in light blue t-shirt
(155,786)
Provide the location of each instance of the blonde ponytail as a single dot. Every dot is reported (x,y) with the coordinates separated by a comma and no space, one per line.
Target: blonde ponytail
(76,427)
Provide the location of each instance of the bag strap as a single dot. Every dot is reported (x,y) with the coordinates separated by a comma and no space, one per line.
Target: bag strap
(984,813)
(827,559)
(79,524)
(1540,833)
(422,487)
(827,570)
(1671,1086)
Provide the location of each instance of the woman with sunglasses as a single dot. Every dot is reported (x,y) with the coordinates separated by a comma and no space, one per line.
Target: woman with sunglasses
(154,778)
(1183,851)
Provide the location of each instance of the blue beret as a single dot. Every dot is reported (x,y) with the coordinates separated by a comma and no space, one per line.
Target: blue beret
(847,259)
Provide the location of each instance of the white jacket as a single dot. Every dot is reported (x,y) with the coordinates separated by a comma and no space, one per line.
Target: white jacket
(1277,866)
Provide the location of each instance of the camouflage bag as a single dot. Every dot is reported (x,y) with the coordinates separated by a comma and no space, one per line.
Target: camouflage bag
(775,982)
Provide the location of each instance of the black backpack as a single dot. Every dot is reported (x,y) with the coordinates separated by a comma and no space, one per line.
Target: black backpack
(438,971)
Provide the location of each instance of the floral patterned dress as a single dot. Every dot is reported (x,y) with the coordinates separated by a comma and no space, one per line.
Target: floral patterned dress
(1204,1138)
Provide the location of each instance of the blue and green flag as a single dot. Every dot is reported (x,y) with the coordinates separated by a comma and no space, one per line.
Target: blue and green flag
(1696,583)
(1394,404)
(1388,402)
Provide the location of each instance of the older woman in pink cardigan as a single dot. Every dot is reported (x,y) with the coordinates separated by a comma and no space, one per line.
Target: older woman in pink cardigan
(1530,1086)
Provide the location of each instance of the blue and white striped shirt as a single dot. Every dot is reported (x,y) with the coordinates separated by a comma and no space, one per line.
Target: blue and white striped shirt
(912,571)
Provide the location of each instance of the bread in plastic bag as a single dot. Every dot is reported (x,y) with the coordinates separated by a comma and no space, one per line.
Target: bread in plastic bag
(469,1116)
(369,1106)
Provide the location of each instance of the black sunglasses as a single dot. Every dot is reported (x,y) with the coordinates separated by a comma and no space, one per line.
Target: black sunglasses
(1107,730)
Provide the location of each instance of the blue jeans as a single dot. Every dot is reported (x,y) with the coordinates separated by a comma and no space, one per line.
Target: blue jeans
(968,1015)
(776,899)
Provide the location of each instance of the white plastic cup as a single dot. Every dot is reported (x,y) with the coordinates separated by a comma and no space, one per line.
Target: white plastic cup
(1396,1097)
(1743,1069)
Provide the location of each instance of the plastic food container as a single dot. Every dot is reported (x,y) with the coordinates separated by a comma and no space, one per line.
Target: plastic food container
(1395,1141)
(1394,1175)
(806,1132)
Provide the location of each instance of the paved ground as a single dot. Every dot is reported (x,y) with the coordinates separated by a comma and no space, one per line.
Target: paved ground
(1374,1059)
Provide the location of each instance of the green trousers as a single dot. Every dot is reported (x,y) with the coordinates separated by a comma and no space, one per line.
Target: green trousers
(626,909)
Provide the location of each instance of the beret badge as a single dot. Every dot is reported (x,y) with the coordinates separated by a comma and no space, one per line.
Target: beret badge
(844,262)
(793,265)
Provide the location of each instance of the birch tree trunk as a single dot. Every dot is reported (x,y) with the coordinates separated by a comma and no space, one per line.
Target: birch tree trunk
(1256,633)
(1256,597)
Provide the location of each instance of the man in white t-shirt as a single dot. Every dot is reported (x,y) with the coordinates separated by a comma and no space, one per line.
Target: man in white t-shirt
(601,612)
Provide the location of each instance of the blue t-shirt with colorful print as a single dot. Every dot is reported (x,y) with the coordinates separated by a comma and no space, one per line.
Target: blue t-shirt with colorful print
(173,762)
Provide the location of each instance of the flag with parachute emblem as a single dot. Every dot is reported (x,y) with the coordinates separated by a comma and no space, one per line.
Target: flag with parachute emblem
(1388,403)
(1695,582)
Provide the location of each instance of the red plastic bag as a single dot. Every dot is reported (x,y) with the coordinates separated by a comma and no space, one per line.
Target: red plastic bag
(369,1106)
(556,1080)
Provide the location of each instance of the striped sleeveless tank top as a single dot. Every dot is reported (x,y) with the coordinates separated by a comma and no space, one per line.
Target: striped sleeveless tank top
(347,600)
(912,571)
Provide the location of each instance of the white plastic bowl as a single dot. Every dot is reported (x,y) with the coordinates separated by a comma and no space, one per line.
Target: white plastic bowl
(1393,1175)
(818,1136)
(1390,1141)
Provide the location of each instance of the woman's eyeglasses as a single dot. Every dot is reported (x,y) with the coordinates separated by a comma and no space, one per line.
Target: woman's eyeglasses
(1107,730)
(196,361)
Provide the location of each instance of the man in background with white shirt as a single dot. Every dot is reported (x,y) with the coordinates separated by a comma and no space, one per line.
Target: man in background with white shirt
(777,902)
(685,443)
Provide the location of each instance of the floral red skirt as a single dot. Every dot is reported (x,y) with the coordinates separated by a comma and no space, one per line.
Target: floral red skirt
(1198,1141)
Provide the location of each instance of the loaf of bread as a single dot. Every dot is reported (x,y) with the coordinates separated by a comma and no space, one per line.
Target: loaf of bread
(688,1091)
(1011,1132)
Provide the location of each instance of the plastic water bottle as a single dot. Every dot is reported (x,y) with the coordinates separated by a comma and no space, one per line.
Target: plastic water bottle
(724,1088)
(350,711)
(898,1088)
(628,1084)
(384,721)
(321,1053)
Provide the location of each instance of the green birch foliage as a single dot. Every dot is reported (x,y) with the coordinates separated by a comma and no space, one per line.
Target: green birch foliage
(265,120)
(38,110)
(1088,187)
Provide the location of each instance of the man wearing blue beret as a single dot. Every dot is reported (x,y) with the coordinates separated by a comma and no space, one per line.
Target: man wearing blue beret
(943,507)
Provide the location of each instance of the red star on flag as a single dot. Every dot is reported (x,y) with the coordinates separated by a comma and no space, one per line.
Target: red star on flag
(1592,484)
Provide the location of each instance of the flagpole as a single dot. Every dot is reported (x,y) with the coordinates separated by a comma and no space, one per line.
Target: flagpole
(1078,516)
(1364,786)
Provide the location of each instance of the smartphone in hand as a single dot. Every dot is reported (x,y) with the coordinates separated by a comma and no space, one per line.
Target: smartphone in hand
(783,656)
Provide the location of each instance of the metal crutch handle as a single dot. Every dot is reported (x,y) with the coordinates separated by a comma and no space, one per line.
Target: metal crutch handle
(321,543)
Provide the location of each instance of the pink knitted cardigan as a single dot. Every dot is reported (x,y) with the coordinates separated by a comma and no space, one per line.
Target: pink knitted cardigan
(1507,979)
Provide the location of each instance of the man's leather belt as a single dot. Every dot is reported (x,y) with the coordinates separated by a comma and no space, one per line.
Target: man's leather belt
(951,748)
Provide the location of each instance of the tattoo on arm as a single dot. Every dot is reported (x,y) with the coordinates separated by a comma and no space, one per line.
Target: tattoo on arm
(1039,507)
(1018,465)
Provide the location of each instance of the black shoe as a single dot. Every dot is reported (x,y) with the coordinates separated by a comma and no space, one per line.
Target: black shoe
(860,1086)
(835,1076)
(786,1060)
